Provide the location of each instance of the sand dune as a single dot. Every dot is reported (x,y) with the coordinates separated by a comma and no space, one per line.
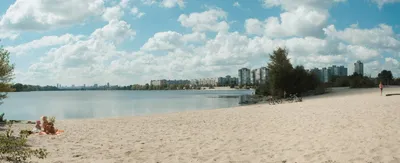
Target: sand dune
(346,126)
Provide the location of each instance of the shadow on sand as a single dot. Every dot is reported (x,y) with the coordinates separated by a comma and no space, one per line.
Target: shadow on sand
(393,94)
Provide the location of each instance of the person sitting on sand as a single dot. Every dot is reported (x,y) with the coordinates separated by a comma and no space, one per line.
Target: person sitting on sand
(37,128)
(48,127)
(44,122)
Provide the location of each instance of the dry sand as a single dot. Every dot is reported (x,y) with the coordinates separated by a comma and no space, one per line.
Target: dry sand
(346,126)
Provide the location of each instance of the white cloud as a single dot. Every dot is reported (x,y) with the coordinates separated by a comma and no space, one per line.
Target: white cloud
(381,37)
(166,3)
(211,20)
(299,22)
(45,41)
(361,53)
(381,3)
(236,4)
(124,3)
(293,5)
(374,67)
(115,31)
(254,26)
(194,37)
(135,12)
(113,13)
(46,14)
(171,40)
(96,59)
(4,34)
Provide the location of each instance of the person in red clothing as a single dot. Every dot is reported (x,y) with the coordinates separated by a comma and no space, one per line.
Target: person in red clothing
(381,87)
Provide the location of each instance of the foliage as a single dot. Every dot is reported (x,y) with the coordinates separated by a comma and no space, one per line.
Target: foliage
(359,81)
(385,77)
(320,89)
(301,81)
(342,81)
(52,119)
(6,73)
(396,81)
(279,72)
(27,88)
(284,79)
(2,118)
(15,149)
(263,89)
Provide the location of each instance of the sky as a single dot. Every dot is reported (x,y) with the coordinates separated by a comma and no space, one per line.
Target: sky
(134,41)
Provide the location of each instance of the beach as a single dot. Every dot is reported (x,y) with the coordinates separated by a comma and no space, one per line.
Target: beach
(346,126)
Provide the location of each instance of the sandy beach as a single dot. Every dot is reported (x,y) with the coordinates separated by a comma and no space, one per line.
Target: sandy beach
(344,126)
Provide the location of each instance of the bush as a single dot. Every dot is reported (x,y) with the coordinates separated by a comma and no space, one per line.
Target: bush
(263,90)
(321,89)
(15,149)
(2,117)
(358,81)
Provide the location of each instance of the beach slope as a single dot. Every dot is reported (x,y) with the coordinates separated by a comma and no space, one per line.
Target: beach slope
(346,126)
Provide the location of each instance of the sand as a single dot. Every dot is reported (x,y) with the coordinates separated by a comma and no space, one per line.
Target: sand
(344,126)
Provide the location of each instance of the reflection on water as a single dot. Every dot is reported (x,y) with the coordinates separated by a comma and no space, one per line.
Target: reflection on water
(97,104)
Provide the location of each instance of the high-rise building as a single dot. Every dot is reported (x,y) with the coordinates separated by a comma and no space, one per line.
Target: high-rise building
(335,70)
(359,68)
(263,75)
(244,76)
(318,73)
(342,71)
(254,76)
(325,74)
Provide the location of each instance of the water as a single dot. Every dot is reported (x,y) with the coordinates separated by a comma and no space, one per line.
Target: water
(99,104)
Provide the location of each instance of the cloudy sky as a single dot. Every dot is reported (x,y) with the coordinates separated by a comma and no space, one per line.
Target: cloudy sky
(134,41)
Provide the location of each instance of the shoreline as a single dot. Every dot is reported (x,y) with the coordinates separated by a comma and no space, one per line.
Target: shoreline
(357,125)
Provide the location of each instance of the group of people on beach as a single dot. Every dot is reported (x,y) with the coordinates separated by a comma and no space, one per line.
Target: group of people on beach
(44,127)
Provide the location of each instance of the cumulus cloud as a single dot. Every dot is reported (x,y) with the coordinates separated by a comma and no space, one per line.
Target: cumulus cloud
(299,22)
(292,5)
(113,13)
(4,34)
(166,3)
(115,31)
(210,20)
(374,67)
(236,4)
(124,3)
(381,3)
(171,40)
(96,58)
(45,41)
(381,37)
(45,14)
(135,12)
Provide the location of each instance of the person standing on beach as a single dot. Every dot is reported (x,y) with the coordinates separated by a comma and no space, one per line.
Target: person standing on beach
(381,87)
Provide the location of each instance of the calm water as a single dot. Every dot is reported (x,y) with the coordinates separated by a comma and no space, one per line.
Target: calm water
(97,104)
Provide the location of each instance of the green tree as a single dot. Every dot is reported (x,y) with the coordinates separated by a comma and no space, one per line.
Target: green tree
(359,81)
(6,74)
(279,71)
(385,76)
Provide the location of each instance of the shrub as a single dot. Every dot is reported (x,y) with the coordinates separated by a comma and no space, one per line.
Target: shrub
(321,89)
(15,149)
(2,117)
(52,120)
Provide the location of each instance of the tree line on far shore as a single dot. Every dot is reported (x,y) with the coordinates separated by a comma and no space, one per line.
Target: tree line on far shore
(284,79)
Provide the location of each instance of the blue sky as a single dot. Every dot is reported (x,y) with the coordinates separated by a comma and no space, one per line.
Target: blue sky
(134,41)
